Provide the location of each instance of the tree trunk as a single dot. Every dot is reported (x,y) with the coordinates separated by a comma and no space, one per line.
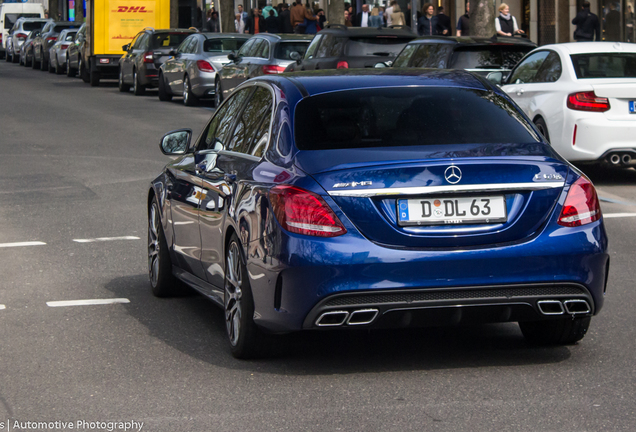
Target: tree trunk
(335,12)
(79,11)
(227,16)
(482,18)
(174,13)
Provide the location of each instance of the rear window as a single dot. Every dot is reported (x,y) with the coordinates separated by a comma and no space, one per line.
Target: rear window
(164,40)
(604,65)
(10,19)
(376,46)
(223,45)
(30,26)
(60,27)
(397,117)
(491,57)
(284,49)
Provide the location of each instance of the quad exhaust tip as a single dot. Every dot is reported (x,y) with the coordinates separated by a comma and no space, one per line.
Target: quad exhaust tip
(627,159)
(556,307)
(550,307)
(355,318)
(577,307)
(615,159)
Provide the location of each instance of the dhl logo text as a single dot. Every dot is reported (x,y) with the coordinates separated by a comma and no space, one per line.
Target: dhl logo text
(137,9)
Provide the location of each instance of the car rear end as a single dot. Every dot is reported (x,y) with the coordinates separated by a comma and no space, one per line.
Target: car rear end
(10,13)
(280,57)
(398,217)
(365,50)
(601,107)
(214,57)
(161,43)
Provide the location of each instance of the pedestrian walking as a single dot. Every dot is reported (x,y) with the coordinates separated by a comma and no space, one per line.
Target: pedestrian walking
(242,13)
(298,15)
(347,18)
(375,20)
(613,24)
(397,16)
(284,19)
(463,24)
(506,24)
(388,13)
(587,25)
(271,22)
(362,19)
(311,25)
(214,25)
(427,24)
(255,23)
(239,24)
(443,22)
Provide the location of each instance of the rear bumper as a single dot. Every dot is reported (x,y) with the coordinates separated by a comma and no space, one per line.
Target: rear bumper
(293,286)
(106,65)
(203,84)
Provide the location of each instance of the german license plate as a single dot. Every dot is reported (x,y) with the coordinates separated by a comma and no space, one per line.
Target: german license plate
(632,108)
(452,211)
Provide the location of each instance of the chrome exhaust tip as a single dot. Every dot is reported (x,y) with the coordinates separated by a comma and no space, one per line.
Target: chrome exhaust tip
(575,307)
(615,159)
(550,307)
(362,317)
(626,159)
(332,319)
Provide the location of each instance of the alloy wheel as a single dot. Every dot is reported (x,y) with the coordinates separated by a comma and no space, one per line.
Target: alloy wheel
(153,244)
(186,90)
(135,84)
(233,294)
(217,94)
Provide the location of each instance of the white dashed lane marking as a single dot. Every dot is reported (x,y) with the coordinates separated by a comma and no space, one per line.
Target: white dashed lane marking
(105,239)
(618,215)
(90,302)
(20,244)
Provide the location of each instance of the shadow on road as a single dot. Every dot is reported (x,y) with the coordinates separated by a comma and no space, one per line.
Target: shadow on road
(195,326)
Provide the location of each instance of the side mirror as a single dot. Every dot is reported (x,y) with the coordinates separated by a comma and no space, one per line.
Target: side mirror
(295,55)
(232,57)
(126,47)
(176,142)
(495,77)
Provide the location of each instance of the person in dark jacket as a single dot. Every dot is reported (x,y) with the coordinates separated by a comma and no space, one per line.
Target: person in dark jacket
(255,24)
(271,23)
(613,24)
(213,24)
(587,25)
(427,24)
(463,23)
(443,22)
(284,18)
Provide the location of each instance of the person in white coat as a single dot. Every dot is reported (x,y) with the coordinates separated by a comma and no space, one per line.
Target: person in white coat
(239,24)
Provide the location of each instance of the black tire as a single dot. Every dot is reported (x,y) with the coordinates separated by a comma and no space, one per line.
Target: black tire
(162,282)
(218,93)
(34,64)
(58,67)
(245,338)
(164,94)
(123,87)
(70,72)
(562,331)
(543,128)
(44,65)
(189,99)
(15,59)
(83,72)
(7,57)
(51,68)
(138,88)
(94,78)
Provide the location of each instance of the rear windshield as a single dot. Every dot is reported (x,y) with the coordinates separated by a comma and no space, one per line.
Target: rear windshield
(375,46)
(30,25)
(10,19)
(223,45)
(60,27)
(165,40)
(604,65)
(491,57)
(394,117)
(284,49)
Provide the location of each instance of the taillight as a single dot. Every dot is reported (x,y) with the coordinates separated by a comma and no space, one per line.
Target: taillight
(64,46)
(149,58)
(581,206)
(273,69)
(205,66)
(303,212)
(588,101)
(21,36)
(51,39)
(342,65)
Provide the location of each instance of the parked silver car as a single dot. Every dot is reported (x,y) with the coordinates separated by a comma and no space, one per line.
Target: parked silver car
(57,53)
(191,70)
(20,32)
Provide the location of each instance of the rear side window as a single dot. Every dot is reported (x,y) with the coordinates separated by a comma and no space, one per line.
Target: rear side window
(379,46)
(11,18)
(245,49)
(398,117)
(431,56)
(223,45)
(284,49)
(528,68)
(550,70)
(219,127)
(164,40)
(604,65)
(244,135)
(489,57)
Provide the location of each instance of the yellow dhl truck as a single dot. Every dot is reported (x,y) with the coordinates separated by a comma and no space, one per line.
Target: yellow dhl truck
(111,24)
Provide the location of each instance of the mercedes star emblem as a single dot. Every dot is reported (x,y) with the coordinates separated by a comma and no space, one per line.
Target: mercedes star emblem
(453,174)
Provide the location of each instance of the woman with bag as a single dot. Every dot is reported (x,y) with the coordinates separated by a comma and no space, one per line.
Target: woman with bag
(397,17)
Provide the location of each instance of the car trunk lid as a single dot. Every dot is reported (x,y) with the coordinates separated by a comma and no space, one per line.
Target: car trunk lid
(620,93)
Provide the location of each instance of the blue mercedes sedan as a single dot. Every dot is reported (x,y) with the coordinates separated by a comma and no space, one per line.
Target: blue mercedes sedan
(376,198)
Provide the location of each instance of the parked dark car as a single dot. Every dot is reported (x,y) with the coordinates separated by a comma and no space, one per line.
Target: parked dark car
(351,199)
(191,70)
(46,39)
(341,47)
(26,50)
(263,54)
(139,66)
(57,53)
(479,55)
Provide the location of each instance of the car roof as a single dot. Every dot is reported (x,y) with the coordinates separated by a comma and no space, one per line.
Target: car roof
(285,37)
(312,82)
(210,35)
(174,30)
(34,20)
(342,30)
(592,47)
(474,41)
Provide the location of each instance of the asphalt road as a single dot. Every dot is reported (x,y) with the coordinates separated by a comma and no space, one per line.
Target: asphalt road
(75,163)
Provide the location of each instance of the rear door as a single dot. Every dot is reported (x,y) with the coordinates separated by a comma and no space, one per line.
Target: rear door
(174,68)
(234,73)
